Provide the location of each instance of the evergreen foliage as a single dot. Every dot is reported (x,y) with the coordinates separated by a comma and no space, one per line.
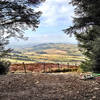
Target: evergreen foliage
(4,67)
(86,28)
(16,16)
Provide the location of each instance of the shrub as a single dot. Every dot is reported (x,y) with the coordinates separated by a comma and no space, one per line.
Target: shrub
(4,67)
(62,70)
(86,66)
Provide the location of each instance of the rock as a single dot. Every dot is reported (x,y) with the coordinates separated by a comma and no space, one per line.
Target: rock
(94,97)
(96,88)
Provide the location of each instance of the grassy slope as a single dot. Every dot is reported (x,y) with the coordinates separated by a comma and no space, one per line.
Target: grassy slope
(51,52)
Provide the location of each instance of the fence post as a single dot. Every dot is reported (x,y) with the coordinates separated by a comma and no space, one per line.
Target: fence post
(49,68)
(68,64)
(58,66)
(75,64)
(24,67)
(44,67)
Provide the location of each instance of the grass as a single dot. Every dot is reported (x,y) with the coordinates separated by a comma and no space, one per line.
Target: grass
(18,61)
(48,58)
(54,53)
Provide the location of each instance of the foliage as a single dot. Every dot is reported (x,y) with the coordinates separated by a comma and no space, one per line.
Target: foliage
(86,66)
(96,54)
(63,70)
(4,67)
(3,43)
(89,47)
(87,14)
(86,28)
(16,16)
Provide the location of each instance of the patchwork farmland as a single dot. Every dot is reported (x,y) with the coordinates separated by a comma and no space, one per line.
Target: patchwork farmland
(47,53)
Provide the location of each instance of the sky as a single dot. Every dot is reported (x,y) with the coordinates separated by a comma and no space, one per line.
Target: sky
(56,16)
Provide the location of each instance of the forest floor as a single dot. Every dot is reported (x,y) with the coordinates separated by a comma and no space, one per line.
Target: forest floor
(39,86)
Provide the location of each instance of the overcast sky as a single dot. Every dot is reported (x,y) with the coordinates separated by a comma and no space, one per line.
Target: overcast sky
(57,15)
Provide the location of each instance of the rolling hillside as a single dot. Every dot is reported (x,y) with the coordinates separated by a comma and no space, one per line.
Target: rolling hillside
(49,53)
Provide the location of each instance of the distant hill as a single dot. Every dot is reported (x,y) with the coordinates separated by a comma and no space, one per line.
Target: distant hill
(47,52)
(54,48)
(59,46)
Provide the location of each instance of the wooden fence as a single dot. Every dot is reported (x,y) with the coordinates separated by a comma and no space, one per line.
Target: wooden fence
(41,67)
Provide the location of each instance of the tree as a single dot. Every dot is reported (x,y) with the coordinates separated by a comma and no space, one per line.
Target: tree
(96,54)
(90,48)
(86,29)
(87,15)
(3,43)
(16,16)
(4,67)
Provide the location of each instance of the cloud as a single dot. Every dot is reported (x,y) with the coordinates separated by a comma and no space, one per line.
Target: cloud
(57,15)
(56,12)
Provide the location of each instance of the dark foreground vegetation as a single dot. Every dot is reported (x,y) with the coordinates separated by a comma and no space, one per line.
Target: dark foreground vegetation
(86,28)
(48,87)
(4,67)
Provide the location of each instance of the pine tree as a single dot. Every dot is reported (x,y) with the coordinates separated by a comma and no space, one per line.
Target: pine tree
(16,16)
(86,29)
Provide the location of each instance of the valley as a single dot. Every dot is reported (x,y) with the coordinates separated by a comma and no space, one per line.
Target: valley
(61,53)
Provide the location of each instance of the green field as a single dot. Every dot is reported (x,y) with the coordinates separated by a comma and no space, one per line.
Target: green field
(49,53)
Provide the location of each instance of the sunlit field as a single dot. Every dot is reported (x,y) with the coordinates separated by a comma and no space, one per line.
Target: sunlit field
(48,53)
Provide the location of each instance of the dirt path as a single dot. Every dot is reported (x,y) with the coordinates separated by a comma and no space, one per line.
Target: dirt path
(48,87)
